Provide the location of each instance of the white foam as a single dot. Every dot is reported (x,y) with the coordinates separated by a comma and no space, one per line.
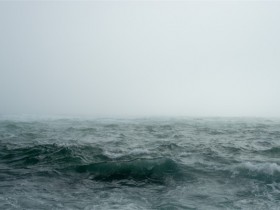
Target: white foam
(267,168)
(113,154)
(139,151)
(117,153)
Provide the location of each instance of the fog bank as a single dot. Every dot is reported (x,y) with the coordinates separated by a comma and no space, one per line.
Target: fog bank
(140,58)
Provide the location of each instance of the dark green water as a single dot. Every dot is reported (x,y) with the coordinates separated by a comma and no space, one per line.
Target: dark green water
(211,163)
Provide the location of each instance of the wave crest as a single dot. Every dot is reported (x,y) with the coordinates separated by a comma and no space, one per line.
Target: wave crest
(267,172)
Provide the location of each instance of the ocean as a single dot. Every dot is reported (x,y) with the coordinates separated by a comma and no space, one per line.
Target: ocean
(148,163)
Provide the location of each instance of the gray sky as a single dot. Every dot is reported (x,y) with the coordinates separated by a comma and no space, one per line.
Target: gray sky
(139,58)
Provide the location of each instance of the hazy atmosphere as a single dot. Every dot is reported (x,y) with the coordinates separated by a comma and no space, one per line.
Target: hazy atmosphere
(140,58)
(140,105)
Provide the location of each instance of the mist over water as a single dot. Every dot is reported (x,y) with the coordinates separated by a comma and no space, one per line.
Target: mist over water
(166,163)
(140,58)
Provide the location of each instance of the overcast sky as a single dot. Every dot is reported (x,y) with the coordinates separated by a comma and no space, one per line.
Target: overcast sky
(140,58)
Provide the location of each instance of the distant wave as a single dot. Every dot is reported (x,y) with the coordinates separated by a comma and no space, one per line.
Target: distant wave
(267,172)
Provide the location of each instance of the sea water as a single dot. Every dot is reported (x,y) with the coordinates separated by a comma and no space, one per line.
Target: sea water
(151,163)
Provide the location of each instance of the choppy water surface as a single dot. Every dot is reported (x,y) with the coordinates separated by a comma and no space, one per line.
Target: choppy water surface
(220,163)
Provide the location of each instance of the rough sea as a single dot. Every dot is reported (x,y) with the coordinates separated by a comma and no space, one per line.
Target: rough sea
(151,163)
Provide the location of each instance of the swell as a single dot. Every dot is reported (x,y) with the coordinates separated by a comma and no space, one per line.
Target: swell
(86,161)
(92,162)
